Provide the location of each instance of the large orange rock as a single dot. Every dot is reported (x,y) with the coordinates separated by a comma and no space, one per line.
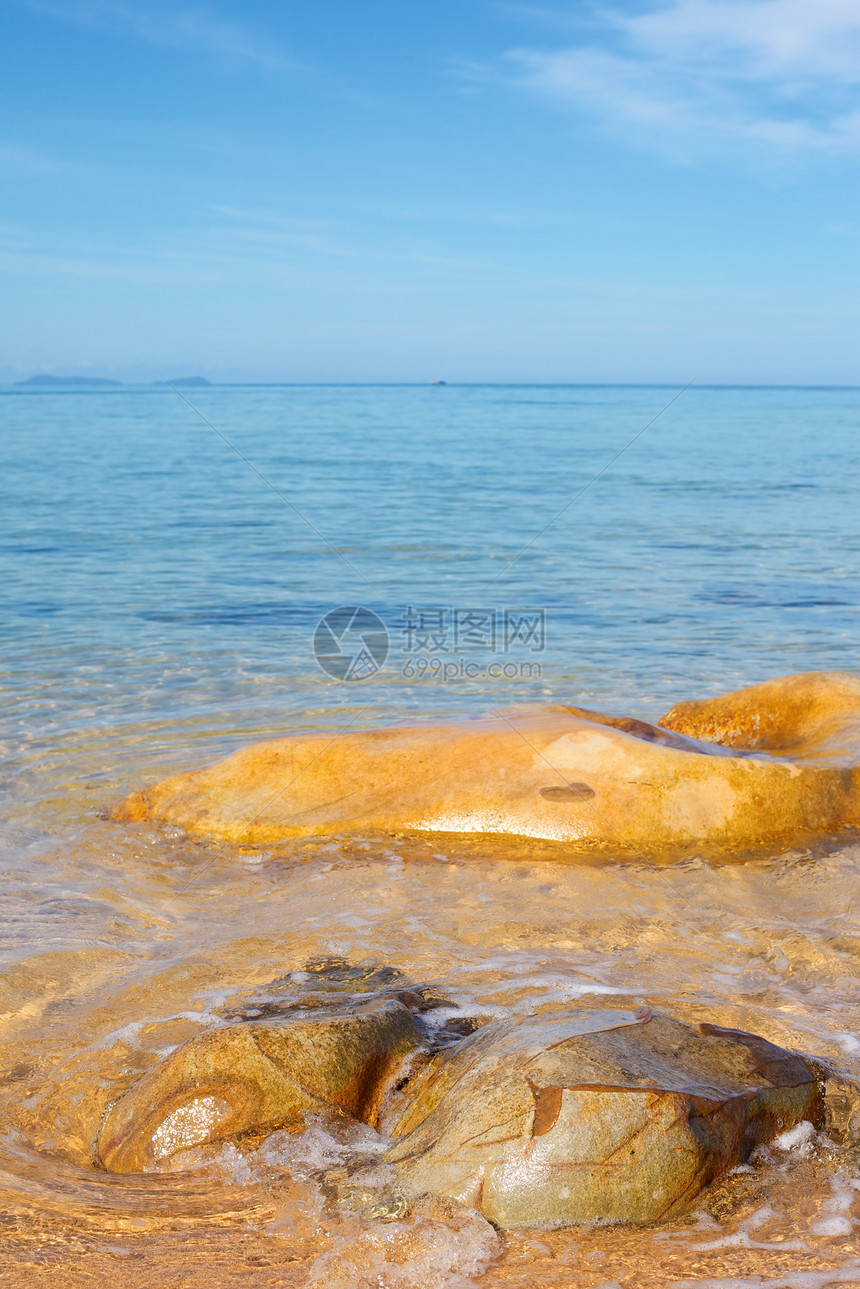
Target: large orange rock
(768,763)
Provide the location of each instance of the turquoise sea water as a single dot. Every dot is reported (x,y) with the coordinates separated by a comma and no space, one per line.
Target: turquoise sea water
(145,569)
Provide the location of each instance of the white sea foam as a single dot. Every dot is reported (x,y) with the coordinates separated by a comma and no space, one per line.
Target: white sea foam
(800,1138)
(847,1274)
(317,1148)
(130,1033)
(834,1225)
(422,1252)
(433,1245)
(742,1240)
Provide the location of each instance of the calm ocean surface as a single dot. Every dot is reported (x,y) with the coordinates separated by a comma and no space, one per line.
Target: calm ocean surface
(160,601)
(147,571)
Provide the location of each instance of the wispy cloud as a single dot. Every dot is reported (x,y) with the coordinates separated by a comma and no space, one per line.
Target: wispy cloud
(242,247)
(369,239)
(20,159)
(198,28)
(323,235)
(778,76)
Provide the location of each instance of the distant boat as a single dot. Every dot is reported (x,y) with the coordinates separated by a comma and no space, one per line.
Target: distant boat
(438,382)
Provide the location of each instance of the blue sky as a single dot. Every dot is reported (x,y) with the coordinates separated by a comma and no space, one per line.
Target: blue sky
(395,190)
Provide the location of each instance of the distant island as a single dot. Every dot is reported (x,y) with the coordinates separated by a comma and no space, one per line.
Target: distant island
(186,381)
(67,380)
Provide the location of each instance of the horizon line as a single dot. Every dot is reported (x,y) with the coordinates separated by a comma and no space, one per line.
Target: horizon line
(113,383)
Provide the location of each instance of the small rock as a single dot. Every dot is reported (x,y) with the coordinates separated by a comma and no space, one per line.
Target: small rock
(839,1116)
(257,1076)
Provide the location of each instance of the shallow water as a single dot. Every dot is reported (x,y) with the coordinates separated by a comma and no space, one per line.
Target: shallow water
(161,603)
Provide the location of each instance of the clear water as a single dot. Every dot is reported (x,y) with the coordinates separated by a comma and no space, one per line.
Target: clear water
(159,606)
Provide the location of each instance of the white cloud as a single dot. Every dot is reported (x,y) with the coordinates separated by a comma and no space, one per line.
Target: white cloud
(169,26)
(778,76)
(769,38)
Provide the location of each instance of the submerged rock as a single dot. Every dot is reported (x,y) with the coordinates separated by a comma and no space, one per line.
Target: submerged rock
(774,761)
(583,1114)
(840,1107)
(256,1076)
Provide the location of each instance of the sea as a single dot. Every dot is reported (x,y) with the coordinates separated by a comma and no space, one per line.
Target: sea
(175,563)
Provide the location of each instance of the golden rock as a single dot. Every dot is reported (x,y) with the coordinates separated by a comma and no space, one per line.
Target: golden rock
(775,762)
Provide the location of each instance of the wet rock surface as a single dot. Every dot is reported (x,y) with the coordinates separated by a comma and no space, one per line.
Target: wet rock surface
(256,1076)
(739,772)
(578,1113)
(596,1114)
